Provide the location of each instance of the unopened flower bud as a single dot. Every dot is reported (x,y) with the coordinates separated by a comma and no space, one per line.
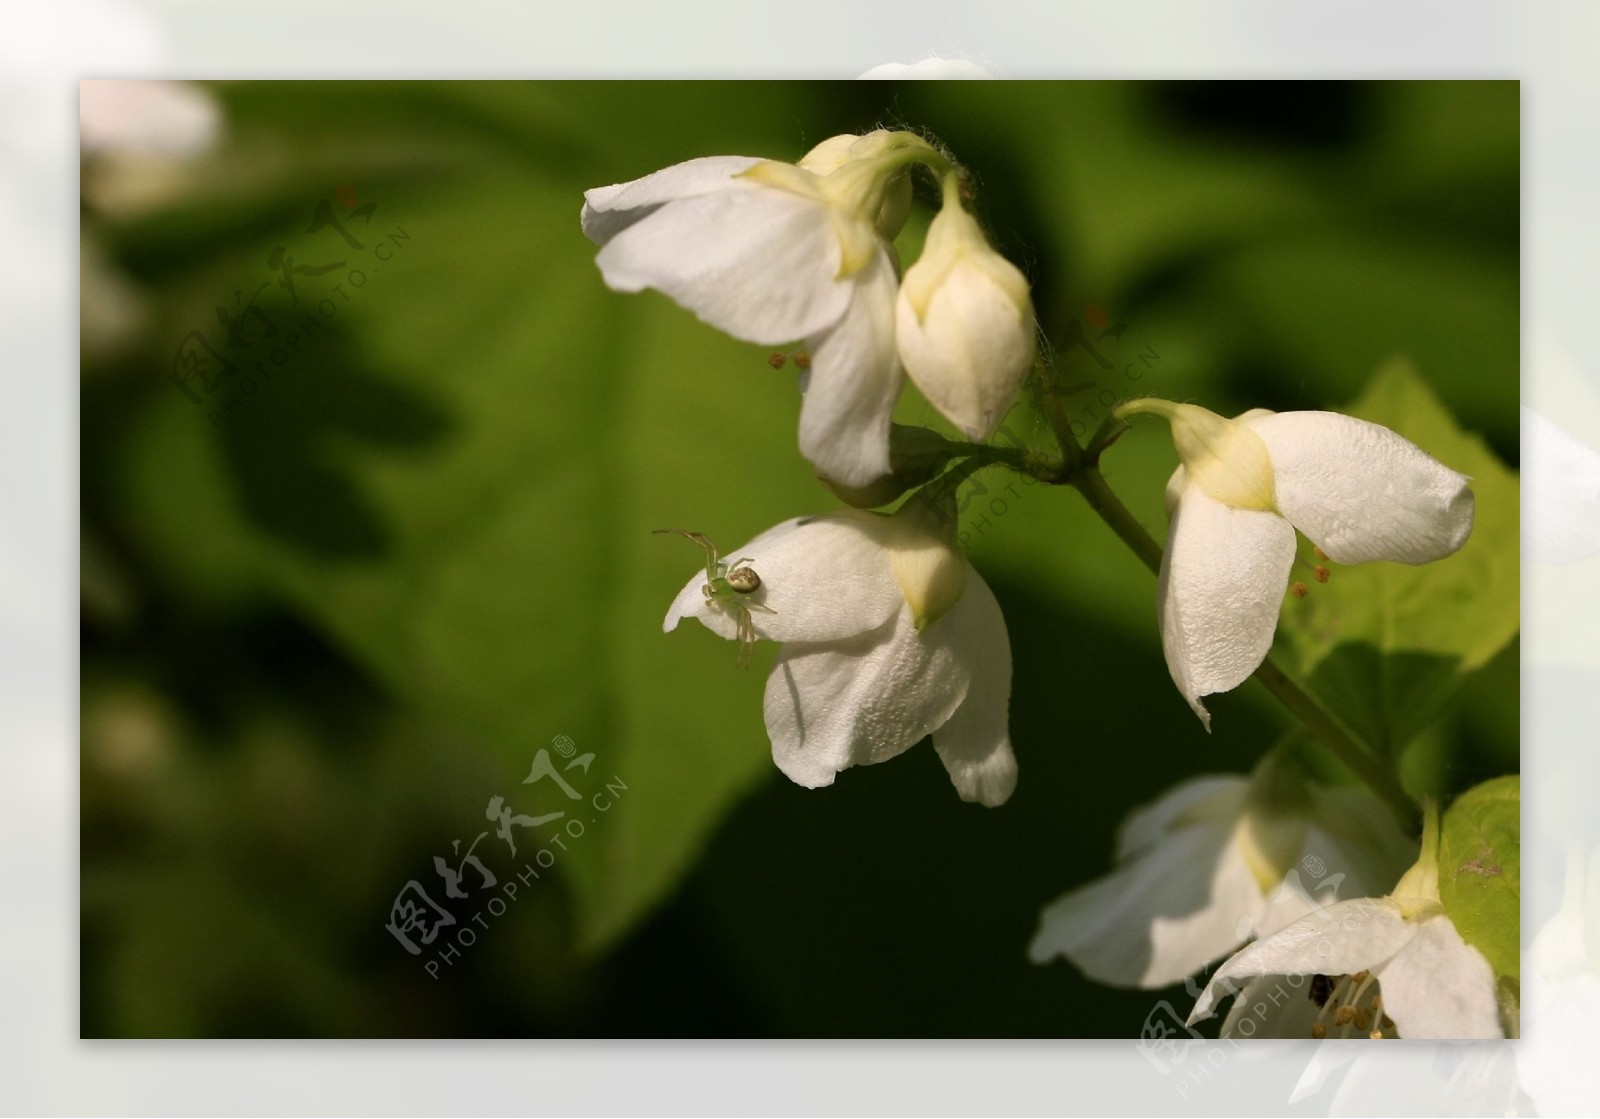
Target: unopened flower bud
(964,322)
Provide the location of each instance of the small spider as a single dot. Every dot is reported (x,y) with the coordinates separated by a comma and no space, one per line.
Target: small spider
(730,586)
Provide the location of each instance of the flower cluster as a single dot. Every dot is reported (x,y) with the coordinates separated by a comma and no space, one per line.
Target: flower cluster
(1390,966)
(776,252)
(887,634)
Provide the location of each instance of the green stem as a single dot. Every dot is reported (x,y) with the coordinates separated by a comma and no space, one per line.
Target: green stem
(1355,757)
(1092,484)
(1047,396)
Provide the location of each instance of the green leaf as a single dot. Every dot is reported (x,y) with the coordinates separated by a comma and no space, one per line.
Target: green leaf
(1386,646)
(456,478)
(1480,870)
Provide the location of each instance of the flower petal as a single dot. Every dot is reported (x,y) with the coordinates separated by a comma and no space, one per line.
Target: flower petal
(1159,917)
(975,745)
(608,210)
(855,379)
(832,705)
(1439,987)
(1344,938)
(1223,576)
(1273,1006)
(757,262)
(1360,492)
(823,578)
(1198,799)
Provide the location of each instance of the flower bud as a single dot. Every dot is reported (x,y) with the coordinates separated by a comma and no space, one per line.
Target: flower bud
(964,323)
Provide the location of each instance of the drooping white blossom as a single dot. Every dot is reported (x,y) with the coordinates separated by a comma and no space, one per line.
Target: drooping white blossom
(773,252)
(1367,967)
(888,635)
(1355,489)
(1215,861)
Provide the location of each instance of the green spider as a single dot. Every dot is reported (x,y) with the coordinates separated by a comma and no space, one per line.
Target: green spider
(730,586)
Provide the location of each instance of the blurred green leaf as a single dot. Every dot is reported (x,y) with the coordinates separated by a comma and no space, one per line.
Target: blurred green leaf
(456,477)
(1480,880)
(1385,645)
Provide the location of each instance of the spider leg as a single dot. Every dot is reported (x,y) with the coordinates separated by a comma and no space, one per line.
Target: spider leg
(701,539)
(747,638)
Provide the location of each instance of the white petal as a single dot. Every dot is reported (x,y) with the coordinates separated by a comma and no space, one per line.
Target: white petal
(757,262)
(1273,1006)
(975,745)
(822,579)
(1159,917)
(854,383)
(1223,577)
(970,351)
(608,210)
(833,705)
(1186,803)
(1439,987)
(1360,492)
(1350,936)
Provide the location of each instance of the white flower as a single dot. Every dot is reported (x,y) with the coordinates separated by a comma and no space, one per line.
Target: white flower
(1356,490)
(1210,864)
(964,322)
(1379,967)
(888,635)
(148,117)
(772,252)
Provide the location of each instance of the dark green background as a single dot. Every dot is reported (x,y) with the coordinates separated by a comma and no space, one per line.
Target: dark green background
(318,638)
